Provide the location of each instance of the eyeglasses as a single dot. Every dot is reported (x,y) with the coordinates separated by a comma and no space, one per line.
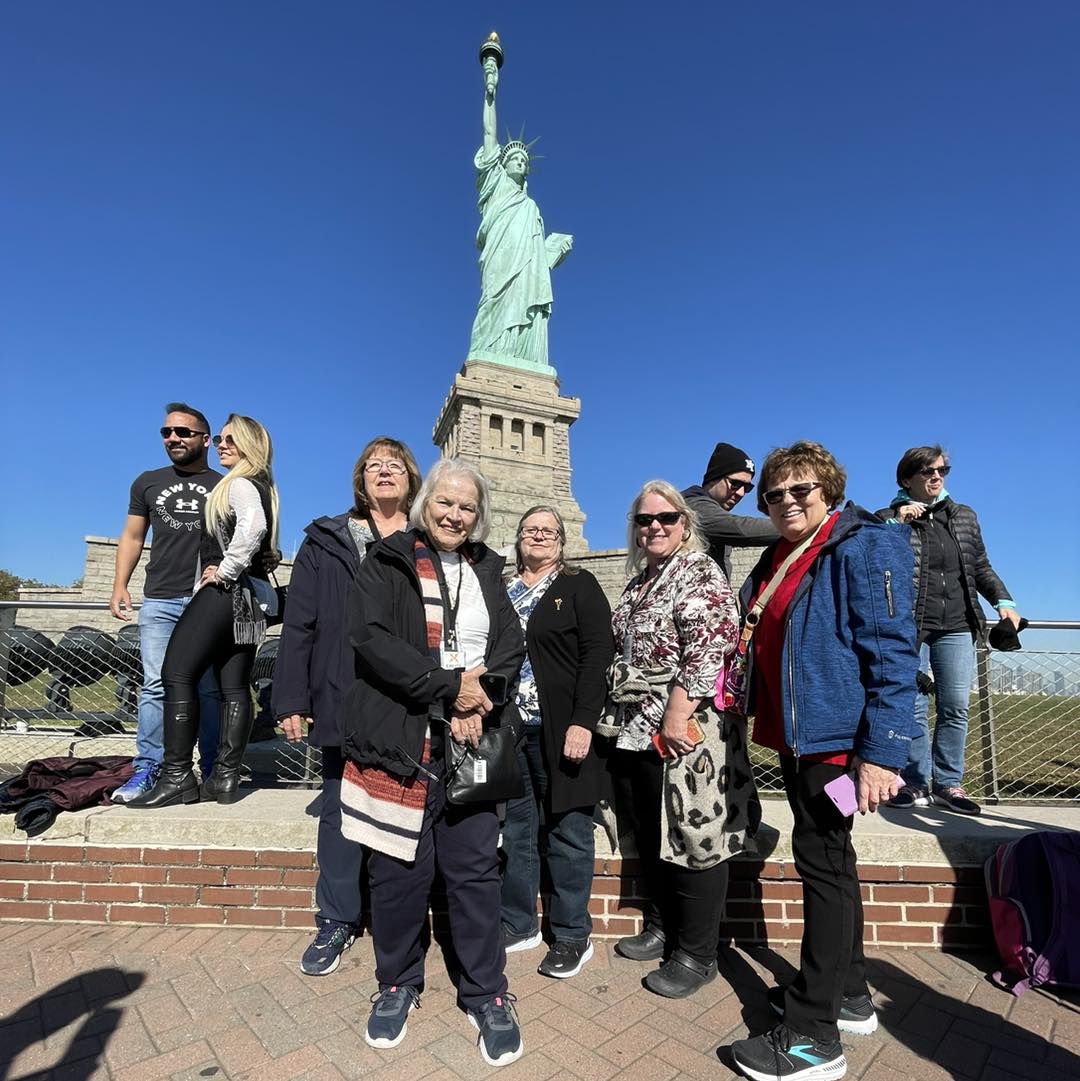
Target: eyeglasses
(180,431)
(539,531)
(665,517)
(391,465)
(226,439)
(799,492)
(744,486)
(934,470)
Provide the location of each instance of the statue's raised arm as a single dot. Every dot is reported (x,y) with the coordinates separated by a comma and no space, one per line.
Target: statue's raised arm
(515,257)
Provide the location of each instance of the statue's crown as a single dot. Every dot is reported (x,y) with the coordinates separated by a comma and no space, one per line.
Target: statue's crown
(511,145)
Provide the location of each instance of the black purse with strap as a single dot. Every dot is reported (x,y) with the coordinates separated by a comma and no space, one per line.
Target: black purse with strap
(488,773)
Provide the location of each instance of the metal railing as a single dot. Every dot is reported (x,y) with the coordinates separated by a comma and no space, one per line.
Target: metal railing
(69,687)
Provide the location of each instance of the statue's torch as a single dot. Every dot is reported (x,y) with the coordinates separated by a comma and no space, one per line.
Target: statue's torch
(491,50)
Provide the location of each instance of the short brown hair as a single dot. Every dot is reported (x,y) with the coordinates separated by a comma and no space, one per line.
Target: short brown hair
(803,457)
(918,458)
(399,450)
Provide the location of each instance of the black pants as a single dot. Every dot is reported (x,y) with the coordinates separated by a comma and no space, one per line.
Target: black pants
(202,639)
(686,901)
(463,843)
(832,963)
(341,861)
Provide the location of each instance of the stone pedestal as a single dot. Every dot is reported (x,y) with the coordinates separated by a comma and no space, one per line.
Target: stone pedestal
(515,427)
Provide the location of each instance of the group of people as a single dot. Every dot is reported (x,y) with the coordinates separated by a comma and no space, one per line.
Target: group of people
(405,634)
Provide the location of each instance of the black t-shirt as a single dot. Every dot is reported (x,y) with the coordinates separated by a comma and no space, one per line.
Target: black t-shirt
(173,503)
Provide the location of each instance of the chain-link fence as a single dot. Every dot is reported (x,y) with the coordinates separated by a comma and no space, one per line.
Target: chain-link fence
(66,687)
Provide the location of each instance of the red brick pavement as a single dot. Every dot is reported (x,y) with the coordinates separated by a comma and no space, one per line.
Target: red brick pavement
(81,1002)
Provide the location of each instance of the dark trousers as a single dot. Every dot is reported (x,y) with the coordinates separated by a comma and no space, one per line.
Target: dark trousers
(686,901)
(341,861)
(567,842)
(202,639)
(832,963)
(463,843)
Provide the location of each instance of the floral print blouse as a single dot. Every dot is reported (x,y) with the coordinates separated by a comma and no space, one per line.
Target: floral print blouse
(687,621)
(525,599)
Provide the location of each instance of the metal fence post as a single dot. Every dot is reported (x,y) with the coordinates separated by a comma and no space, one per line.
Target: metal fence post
(987,746)
(7,625)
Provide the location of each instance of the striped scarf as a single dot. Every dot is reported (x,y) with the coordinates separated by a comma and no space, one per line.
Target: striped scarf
(380,810)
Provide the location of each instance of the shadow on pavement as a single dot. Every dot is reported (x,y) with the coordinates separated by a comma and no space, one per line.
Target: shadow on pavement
(87,996)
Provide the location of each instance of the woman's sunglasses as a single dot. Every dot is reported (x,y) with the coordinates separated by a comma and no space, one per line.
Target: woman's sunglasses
(666,517)
(226,439)
(935,469)
(799,492)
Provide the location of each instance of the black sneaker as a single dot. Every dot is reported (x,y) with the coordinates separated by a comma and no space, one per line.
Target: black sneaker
(566,958)
(954,797)
(518,943)
(386,1026)
(500,1036)
(324,954)
(910,796)
(857,1013)
(783,1055)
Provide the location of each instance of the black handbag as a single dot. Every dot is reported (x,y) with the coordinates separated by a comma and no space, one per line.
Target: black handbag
(282,593)
(487,774)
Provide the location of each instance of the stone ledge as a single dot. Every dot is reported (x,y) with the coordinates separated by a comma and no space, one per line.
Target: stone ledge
(287,820)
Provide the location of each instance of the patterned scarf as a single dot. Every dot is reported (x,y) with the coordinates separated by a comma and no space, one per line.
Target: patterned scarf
(386,812)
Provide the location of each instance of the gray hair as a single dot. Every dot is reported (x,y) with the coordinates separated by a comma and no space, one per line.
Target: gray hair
(456,467)
(691,542)
(543,508)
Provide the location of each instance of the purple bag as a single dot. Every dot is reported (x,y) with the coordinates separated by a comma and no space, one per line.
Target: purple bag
(1033,886)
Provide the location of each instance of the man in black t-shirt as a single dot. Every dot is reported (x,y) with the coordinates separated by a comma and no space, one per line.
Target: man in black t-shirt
(170,502)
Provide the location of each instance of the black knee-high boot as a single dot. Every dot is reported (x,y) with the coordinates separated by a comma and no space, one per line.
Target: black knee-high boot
(224,779)
(176,782)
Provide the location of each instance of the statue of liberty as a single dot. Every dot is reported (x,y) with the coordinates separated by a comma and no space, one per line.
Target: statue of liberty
(516,258)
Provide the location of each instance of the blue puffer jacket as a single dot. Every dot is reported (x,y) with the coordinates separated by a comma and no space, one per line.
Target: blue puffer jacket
(849,659)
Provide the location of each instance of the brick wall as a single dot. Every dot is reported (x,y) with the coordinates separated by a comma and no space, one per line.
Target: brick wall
(904,906)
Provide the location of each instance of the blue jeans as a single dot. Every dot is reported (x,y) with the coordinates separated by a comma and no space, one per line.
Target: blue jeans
(951,658)
(569,848)
(157,618)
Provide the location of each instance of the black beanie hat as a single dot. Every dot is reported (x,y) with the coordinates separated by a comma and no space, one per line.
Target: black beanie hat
(726,460)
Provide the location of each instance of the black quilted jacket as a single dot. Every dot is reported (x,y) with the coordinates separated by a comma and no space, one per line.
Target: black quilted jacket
(978,576)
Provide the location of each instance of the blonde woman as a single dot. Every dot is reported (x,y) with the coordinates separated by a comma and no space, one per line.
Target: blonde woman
(683,783)
(225,622)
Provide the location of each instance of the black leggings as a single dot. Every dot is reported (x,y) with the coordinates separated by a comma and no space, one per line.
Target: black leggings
(688,901)
(203,638)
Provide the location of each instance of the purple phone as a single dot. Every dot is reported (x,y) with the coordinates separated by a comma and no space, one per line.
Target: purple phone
(842,792)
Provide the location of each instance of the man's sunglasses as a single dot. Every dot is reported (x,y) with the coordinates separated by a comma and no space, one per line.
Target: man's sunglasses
(744,486)
(666,517)
(935,469)
(226,439)
(799,492)
(180,431)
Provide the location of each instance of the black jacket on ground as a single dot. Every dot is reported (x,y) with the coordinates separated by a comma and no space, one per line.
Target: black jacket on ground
(571,648)
(315,665)
(385,712)
(977,576)
(724,530)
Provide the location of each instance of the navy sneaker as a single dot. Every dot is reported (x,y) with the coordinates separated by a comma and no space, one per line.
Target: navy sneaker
(566,958)
(910,796)
(140,783)
(324,954)
(956,799)
(783,1055)
(500,1036)
(386,1026)
(857,1013)
(517,943)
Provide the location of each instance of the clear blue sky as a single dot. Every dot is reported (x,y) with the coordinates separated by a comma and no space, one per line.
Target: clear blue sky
(853,222)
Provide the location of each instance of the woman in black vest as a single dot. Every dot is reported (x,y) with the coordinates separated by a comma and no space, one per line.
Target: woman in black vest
(225,621)
(567,624)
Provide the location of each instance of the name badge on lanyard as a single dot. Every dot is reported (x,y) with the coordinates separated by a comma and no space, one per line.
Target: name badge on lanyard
(450,656)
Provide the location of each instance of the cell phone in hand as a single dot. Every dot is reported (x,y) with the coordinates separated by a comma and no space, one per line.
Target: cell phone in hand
(842,792)
(495,687)
(693,733)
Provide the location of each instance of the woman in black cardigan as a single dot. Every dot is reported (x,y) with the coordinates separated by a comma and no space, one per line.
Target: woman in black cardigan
(566,620)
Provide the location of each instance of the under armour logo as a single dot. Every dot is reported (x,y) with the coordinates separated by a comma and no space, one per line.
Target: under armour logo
(190,504)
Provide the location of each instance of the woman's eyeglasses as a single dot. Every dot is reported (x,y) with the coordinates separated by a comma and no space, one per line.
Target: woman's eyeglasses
(180,431)
(665,517)
(539,531)
(391,465)
(226,439)
(798,492)
(934,470)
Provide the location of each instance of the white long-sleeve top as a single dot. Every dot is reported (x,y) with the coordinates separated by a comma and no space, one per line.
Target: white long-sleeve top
(251,527)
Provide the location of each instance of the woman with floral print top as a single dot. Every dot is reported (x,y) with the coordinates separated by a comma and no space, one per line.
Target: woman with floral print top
(683,781)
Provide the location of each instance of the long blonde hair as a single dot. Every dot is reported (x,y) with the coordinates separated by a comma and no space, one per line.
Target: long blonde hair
(252,442)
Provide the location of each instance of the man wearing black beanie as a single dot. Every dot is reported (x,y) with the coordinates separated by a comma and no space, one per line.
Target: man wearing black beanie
(728,477)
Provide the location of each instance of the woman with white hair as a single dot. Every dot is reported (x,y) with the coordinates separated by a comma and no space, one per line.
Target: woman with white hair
(683,781)
(429,616)
(225,622)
